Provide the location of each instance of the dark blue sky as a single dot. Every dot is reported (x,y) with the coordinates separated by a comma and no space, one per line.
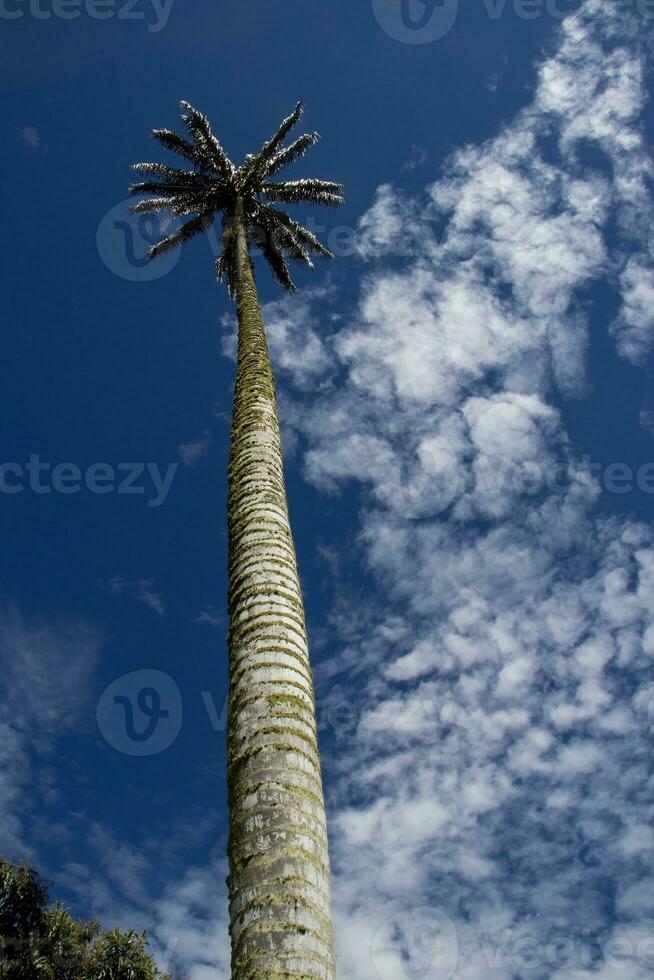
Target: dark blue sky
(100,367)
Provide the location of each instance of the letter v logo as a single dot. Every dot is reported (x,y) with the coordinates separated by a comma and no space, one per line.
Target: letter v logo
(423,19)
(416,21)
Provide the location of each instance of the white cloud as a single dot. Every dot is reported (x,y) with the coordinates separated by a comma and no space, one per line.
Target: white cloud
(213,617)
(298,349)
(634,326)
(500,767)
(141,590)
(193,451)
(186,918)
(46,667)
(191,919)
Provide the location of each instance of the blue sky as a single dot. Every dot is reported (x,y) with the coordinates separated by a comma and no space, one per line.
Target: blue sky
(468,423)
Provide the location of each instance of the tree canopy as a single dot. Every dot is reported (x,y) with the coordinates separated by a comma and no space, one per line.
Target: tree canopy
(215,185)
(42,941)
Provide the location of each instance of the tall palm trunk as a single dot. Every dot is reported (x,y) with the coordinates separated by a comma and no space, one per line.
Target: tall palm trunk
(279,866)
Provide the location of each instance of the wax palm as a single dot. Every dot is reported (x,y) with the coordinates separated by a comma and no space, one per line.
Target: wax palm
(215,186)
(278,858)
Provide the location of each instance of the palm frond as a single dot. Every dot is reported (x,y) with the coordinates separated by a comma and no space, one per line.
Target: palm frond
(254,169)
(151,204)
(174,175)
(183,234)
(284,158)
(282,239)
(308,191)
(269,228)
(177,144)
(226,266)
(213,186)
(302,234)
(277,264)
(200,129)
(154,187)
(177,206)
(289,244)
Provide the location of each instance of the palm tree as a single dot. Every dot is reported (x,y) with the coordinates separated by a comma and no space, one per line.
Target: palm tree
(279,866)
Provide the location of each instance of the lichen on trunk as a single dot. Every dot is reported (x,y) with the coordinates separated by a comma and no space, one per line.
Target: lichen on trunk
(279,867)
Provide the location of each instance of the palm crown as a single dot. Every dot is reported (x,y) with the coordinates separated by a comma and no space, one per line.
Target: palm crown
(214,185)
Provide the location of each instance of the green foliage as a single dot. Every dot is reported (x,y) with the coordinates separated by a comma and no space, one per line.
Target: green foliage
(120,956)
(216,187)
(43,942)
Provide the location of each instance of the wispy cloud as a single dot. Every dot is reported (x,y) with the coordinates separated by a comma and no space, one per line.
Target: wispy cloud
(141,590)
(417,158)
(186,918)
(300,351)
(45,677)
(515,804)
(47,668)
(30,136)
(212,617)
(193,451)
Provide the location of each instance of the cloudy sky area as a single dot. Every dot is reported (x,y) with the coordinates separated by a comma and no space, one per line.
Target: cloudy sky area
(484,643)
(513,639)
